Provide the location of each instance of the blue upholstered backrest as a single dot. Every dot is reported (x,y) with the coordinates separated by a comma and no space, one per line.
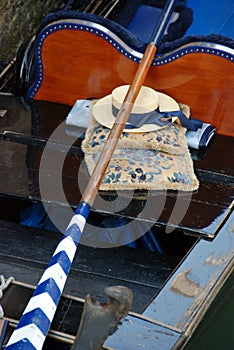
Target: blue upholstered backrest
(124,21)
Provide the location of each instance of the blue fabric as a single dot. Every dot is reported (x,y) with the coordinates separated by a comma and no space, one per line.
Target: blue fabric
(159,118)
(133,13)
(176,30)
(200,138)
(36,216)
(212,16)
(120,31)
(206,136)
(150,242)
(147,240)
(144,21)
(130,38)
(166,47)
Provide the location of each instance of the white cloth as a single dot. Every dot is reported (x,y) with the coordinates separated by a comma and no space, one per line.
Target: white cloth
(79,114)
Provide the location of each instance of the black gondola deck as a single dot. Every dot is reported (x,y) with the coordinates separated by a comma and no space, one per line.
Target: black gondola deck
(146,273)
(172,290)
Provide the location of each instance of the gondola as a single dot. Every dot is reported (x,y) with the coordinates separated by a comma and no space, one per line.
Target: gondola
(172,249)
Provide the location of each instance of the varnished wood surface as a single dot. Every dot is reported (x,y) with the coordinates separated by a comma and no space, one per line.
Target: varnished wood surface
(92,67)
(213,168)
(211,201)
(25,253)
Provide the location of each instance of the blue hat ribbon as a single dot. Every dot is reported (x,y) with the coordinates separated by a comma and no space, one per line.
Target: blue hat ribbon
(136,120)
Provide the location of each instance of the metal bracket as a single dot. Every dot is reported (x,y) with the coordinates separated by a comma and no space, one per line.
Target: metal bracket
(99,320)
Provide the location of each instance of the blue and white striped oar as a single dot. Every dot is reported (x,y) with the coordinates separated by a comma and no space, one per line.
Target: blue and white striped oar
(37,317)
(35,322)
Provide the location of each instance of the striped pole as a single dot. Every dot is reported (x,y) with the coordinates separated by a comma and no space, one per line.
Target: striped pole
(37,317)
(35,322)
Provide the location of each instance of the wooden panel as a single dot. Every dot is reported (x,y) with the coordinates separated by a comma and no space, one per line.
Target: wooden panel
(79,64)
(90,67)
(218,158)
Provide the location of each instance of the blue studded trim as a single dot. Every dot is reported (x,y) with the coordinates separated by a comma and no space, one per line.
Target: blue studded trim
(196,47)
(124,49)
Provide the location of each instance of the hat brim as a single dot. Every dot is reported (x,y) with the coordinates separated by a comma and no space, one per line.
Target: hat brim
(102,112)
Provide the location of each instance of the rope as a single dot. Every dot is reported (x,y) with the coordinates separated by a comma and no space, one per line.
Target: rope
(3,285)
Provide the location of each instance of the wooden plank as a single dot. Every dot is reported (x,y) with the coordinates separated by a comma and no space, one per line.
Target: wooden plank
(218,158)
(92,270)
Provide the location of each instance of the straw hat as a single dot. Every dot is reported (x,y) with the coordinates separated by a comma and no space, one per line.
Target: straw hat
(145,115)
